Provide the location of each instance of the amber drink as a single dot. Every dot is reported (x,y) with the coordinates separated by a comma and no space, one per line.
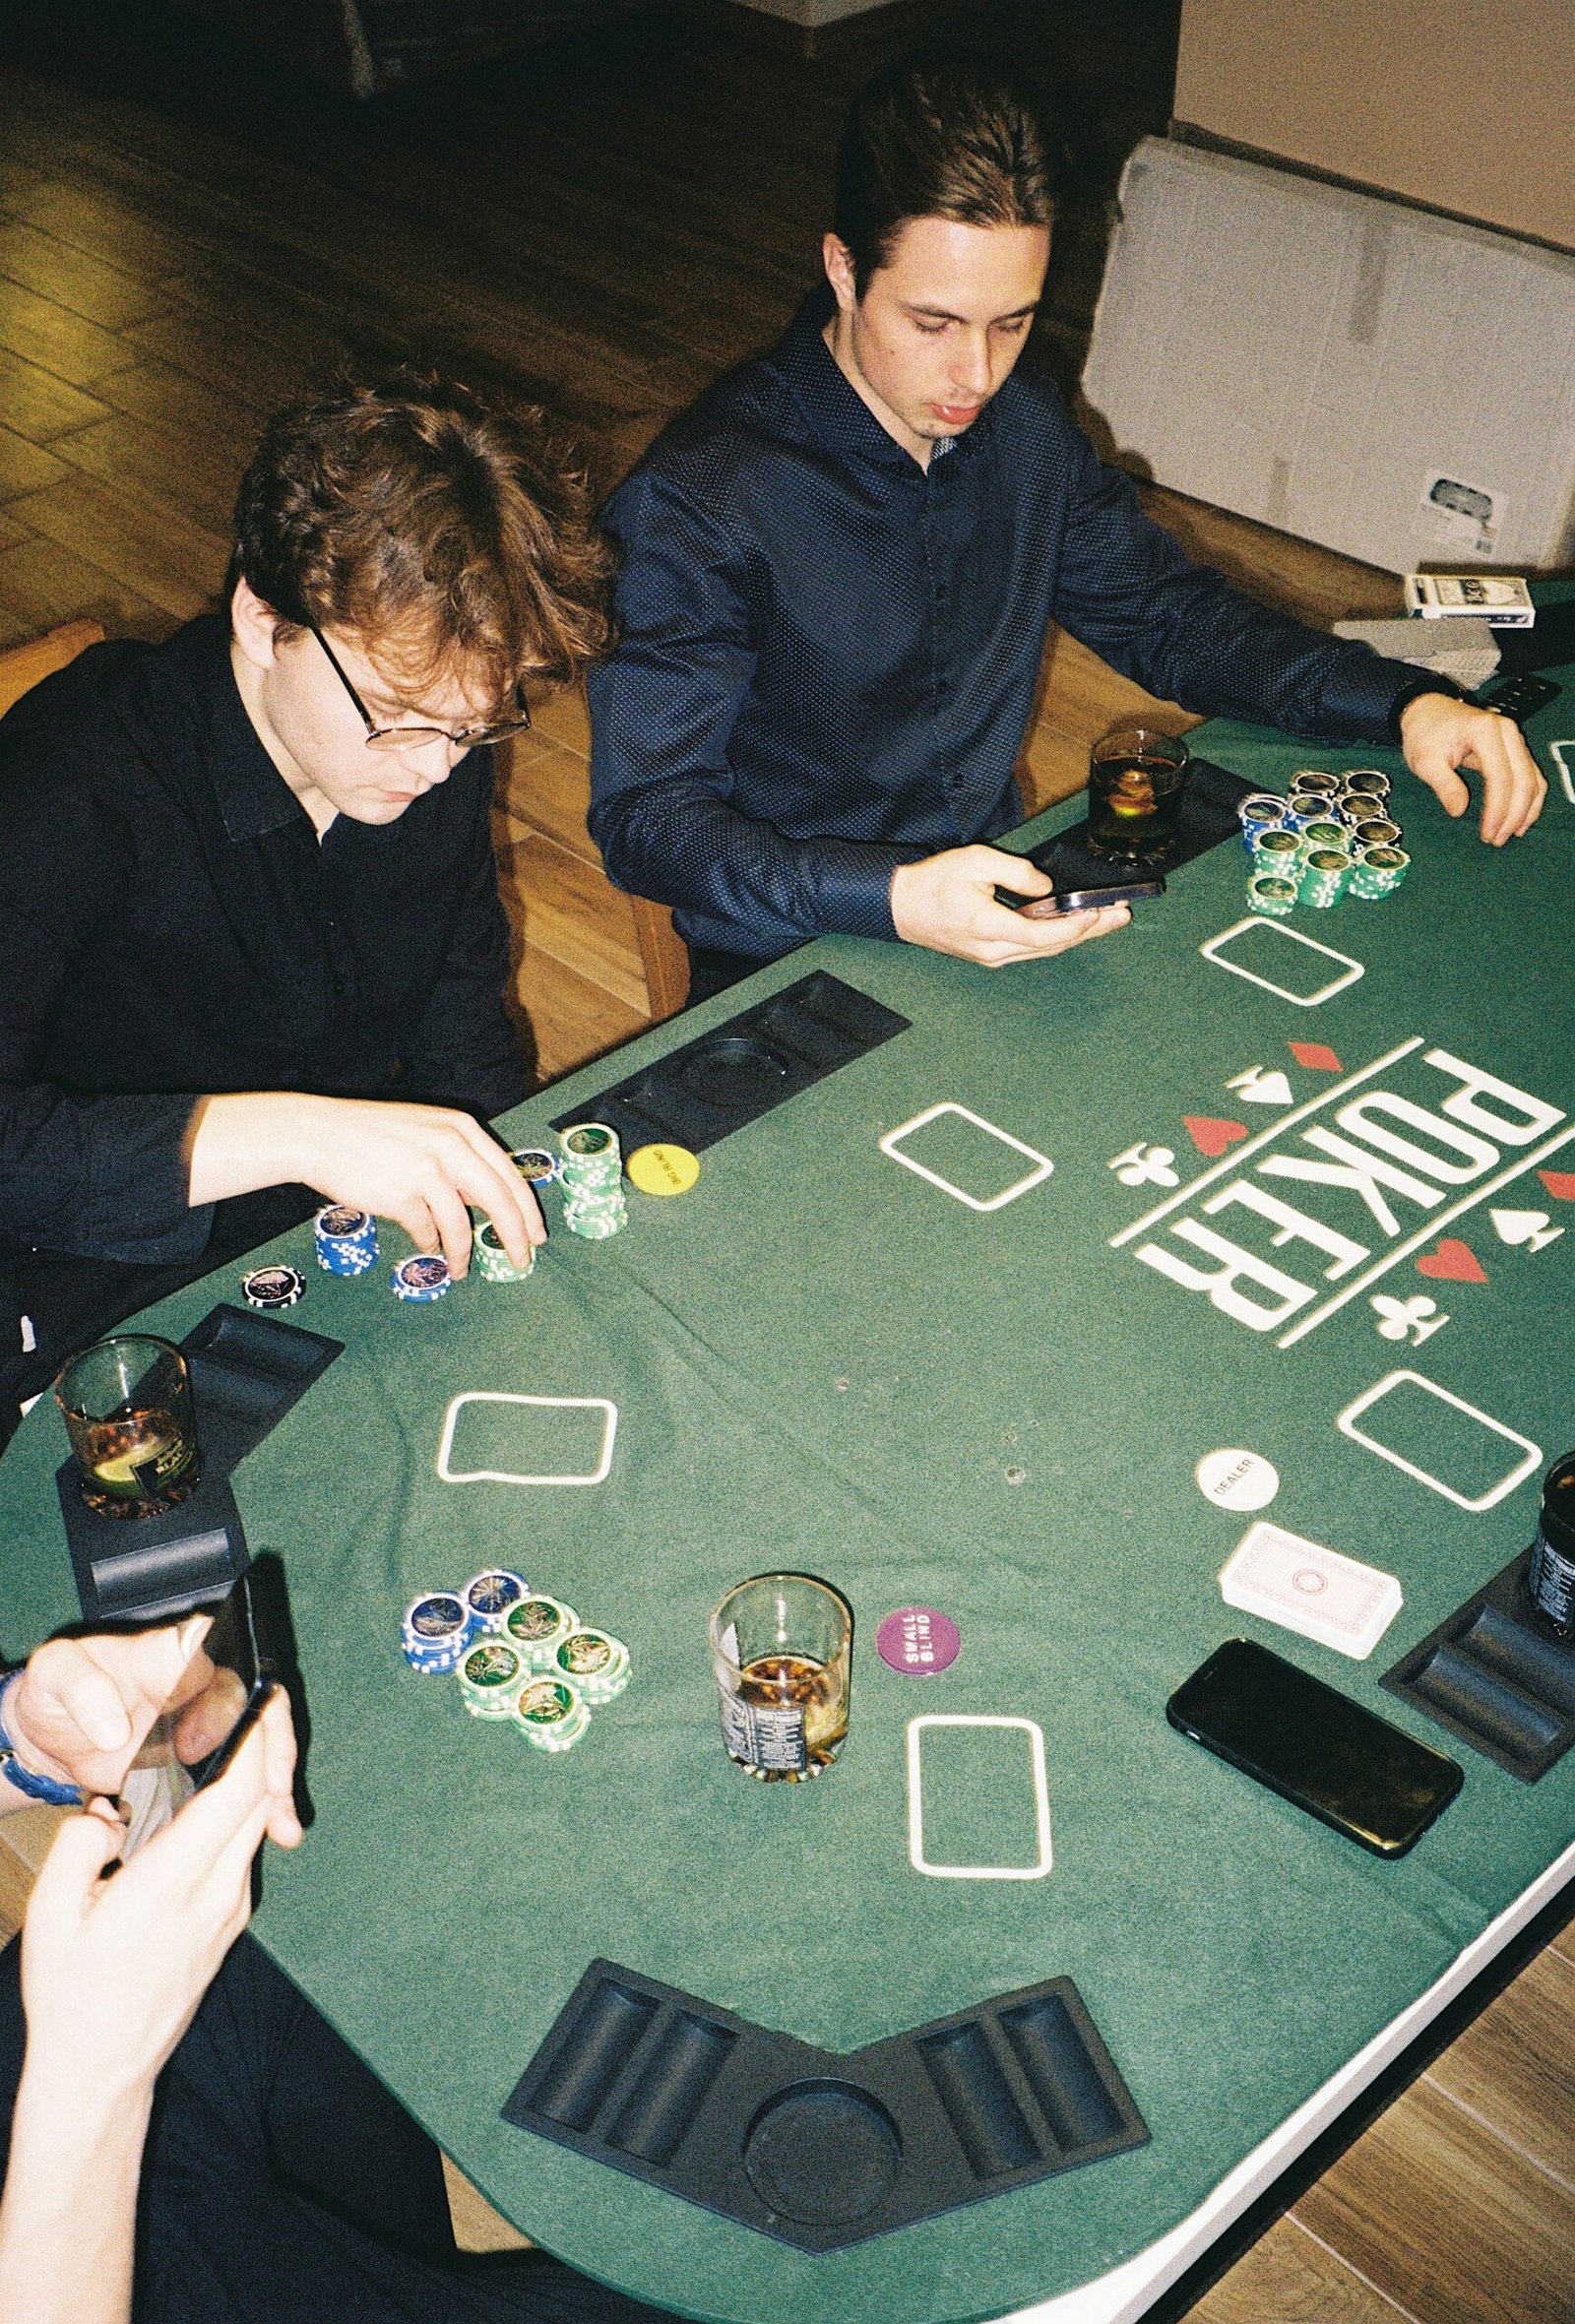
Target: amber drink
(781,1648)
(1137,778)
(127,1409)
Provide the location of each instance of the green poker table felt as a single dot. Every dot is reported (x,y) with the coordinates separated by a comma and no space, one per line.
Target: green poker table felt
(823,1360)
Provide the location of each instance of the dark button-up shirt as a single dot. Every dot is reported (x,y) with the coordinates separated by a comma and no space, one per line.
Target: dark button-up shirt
(828,653)
(170,925)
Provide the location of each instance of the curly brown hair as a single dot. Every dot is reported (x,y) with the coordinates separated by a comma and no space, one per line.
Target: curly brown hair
(439,523)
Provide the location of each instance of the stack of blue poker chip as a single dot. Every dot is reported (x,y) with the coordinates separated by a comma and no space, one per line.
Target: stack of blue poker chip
(346,1239)
(1259,812)
(488,1596)
(424,1277)
(436,1631)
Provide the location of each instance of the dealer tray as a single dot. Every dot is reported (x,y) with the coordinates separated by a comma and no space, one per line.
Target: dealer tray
(248,1371)
(1207,816)
(1495,1676)
(741,1069)
(813,2147)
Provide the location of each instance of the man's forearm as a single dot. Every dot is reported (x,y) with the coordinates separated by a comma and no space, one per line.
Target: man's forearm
(248,1139)
(69,2216)
(677,842)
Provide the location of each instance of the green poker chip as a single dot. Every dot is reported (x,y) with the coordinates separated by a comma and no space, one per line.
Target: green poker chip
(598,1666)
(1378,872)
(493,1260)
(489,1678)
(551,1713)
(1268,892)
(537,1626)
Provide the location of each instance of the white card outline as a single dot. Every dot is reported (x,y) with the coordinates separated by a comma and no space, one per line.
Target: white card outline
(1566,772)
(596,1403)
(1345,1423)
(1255,919)
(916,1799)
(1036,1177)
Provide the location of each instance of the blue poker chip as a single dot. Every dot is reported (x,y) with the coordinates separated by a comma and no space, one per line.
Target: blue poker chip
(436,1631)
(536,1163)
(490,1595)
(345,1238)
(424,1278)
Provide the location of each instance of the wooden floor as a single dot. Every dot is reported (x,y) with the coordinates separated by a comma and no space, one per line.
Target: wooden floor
(186,240)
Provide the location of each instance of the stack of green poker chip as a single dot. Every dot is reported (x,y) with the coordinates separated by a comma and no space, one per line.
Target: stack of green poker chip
(592,1171)
(1271,893)
(598,1666)
(551,1713)
(1324,835)
(1325,877)
(1276,849)
(1378,872)
(491,1677)
(536,1627)
(494,1260)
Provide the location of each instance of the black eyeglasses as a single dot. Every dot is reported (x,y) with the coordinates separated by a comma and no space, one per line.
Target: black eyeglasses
(416,737)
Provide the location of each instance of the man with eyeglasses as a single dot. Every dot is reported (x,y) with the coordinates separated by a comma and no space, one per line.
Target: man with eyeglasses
(252,954)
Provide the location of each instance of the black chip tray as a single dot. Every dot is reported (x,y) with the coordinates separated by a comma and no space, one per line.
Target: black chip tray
(815,2148)
(1496,1677)
(698,1095)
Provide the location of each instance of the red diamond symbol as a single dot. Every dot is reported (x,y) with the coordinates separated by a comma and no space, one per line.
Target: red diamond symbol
(1315,1057)
(1560,1184)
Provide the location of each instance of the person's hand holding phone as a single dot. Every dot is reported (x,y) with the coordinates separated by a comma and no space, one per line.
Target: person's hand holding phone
(114,1968)
(83,1706)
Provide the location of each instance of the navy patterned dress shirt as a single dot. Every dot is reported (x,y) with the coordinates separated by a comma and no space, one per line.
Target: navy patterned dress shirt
(829,655)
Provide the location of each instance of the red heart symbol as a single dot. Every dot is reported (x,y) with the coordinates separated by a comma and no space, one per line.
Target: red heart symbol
(1453,1262)
(1210,1136)
(1315,1057)
(1560,1184)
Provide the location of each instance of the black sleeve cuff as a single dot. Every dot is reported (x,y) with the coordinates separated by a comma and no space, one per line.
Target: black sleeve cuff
(1427,681)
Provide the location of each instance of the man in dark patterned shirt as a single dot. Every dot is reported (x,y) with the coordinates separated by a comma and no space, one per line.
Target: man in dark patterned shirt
(840,568)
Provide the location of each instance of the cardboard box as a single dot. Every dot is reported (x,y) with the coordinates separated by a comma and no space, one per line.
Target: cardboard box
(1390,383)
(1466,108)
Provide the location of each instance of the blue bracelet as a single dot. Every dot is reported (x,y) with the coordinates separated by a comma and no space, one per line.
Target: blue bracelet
(21,1779)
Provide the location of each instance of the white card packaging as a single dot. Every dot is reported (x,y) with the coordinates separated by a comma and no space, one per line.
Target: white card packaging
(1313,1590)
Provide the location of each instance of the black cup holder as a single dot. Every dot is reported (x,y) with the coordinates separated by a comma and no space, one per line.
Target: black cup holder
(822,2154)
(735,1074)
(1493,1675)
(248,1371)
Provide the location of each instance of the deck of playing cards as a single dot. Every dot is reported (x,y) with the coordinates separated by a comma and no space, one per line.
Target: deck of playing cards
(1311,1590)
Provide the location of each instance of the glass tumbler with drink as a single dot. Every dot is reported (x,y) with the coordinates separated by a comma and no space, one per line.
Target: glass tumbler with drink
(1136,781)
(782,1646)
(127,1410)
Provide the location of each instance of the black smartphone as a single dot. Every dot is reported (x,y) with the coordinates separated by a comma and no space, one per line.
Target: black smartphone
(1314,1746)
(1044,908)
(200,1729)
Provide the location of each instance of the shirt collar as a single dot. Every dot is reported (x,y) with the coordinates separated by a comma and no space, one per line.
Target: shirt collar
(253,796)
(834,407)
